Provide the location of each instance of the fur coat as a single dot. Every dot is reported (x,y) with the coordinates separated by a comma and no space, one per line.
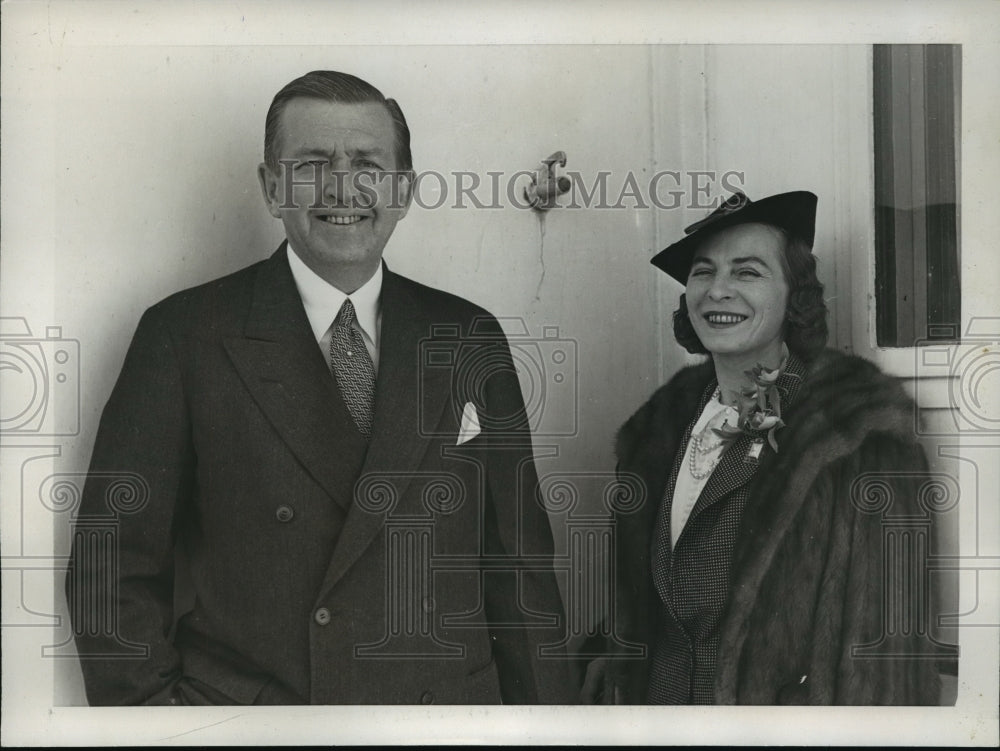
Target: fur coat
(807,618)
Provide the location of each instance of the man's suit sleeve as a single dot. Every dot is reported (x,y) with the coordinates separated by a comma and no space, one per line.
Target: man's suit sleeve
(121,600)
(517,524)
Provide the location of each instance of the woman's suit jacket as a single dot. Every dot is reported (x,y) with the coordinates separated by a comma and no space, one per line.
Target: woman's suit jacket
(268,555)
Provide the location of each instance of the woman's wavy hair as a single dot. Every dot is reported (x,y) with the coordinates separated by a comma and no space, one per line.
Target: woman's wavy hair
(805,316)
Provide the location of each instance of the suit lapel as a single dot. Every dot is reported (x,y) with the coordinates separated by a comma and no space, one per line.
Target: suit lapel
(409,401)
(409,398)
(736,467)
(734,470)
(663,552)
(736,475)
(285,373)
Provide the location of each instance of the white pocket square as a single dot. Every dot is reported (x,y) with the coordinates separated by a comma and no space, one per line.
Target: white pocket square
(469,428)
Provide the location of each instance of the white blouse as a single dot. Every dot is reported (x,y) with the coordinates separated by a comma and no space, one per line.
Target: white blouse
(703,452)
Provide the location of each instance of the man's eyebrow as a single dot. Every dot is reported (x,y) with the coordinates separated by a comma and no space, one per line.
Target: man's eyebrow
(358,152)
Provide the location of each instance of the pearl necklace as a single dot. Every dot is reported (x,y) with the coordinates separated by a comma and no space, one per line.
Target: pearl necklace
(695,460)
(701,448)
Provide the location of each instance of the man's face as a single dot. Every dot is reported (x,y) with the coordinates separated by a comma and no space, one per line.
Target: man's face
(338,213)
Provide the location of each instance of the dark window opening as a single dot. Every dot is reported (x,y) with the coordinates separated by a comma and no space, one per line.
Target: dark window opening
(917,94)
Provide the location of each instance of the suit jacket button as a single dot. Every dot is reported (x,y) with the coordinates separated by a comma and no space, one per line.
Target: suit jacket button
(322,616)
(427,697)
(284,513)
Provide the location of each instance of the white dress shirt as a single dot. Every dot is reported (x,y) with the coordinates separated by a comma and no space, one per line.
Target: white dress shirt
(323,301)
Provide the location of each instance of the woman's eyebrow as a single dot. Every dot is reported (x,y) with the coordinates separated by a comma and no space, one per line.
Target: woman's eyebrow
(751,259)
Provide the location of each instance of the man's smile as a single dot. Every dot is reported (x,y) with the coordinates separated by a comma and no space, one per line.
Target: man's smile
(342,219)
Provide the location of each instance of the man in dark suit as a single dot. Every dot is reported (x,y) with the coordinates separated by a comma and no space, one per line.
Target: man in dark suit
(313,480)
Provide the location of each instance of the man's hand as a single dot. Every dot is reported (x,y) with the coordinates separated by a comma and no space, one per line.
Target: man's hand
(599,685)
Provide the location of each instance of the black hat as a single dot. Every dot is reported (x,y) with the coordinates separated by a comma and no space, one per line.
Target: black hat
(793,212)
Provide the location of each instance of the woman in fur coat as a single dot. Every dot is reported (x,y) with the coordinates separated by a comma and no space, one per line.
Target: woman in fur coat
(762,567)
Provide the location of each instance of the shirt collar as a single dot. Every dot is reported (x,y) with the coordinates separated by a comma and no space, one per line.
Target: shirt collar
(322,300)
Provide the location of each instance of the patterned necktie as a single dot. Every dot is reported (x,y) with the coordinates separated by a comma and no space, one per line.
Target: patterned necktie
(352,366)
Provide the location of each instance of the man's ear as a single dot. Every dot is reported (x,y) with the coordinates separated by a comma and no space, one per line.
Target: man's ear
(405,191)
(269,189)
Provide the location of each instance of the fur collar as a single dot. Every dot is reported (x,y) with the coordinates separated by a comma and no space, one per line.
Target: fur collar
(842,397)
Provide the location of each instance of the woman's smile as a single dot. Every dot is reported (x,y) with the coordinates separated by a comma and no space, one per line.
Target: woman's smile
(719,319)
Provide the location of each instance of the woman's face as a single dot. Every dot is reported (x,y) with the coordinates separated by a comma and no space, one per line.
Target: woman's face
(737,292)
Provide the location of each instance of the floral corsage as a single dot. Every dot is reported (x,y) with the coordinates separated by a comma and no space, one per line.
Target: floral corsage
(760,404)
